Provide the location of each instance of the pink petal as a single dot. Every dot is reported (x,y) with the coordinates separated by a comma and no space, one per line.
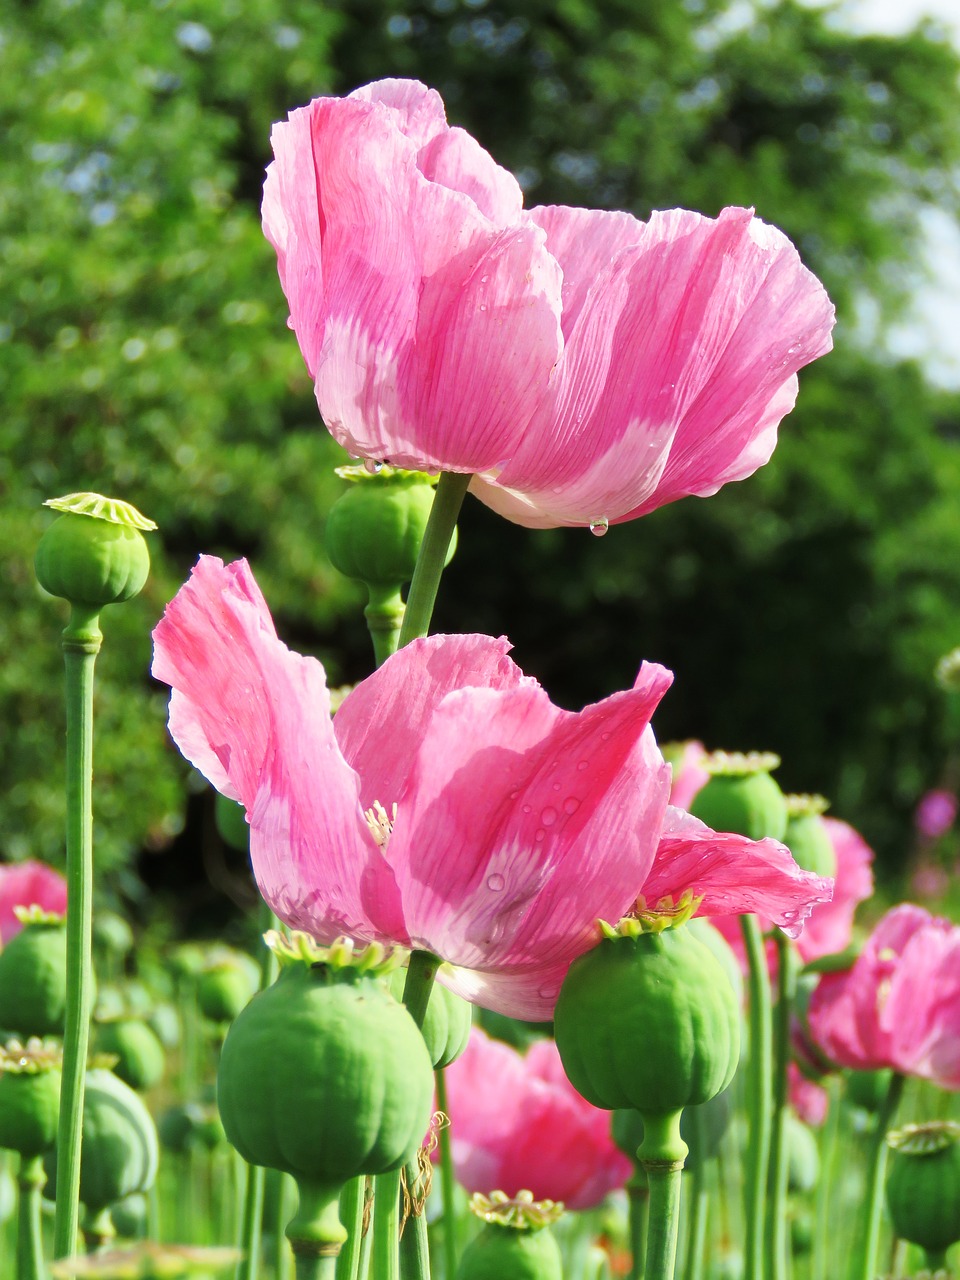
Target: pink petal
(528,992)
(677,370)
(28,884)
(529,824)
(830,924)
(732,874)
(255,719)
(417,112)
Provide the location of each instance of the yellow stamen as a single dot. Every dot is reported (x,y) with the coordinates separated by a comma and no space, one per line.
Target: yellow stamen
(380,822)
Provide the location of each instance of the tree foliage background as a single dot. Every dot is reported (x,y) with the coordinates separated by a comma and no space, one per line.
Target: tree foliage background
(144,353)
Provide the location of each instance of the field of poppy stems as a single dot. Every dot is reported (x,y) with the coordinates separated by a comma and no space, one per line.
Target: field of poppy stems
(530,993)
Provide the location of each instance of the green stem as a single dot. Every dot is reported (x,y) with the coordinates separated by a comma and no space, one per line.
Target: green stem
(316,1233)
(776,1217)
(285,1188)
(758,1090)
(81,644)
(876,1168)
(447,1183)
(414,1247)
(699,1193)
(935,1260)
(825,1186)
(422,595)
(384,615)
(662,1154)
(29,1229)
(351,1215)
(638,1195)
(386,1226)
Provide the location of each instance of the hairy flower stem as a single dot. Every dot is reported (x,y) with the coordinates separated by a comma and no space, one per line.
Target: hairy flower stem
(777,1221)
(759,1094)
(662,1154)
(29,1228)
(81,644)
(876,1168)
(248,1268)
(446,1182)
(422,595)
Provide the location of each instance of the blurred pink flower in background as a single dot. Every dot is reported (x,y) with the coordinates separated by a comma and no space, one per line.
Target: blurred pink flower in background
(449,805)
(587,366)
(689,775)
(808,1099)
(936,813)
(28,884)
(899,1004)
(516,1122)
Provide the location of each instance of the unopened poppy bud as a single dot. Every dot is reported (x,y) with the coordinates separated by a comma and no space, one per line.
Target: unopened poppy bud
(741,796)
(446,1024)
(139,1053)
(923,1186)
(515,1240)
(225,985)
(95,553)
(807,837)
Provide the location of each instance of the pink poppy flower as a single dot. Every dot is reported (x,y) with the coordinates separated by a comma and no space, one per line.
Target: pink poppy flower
(516,1122)
(449,806)
(587,367)
(689,775)
(899,1004)
(28,884)
(808,1099)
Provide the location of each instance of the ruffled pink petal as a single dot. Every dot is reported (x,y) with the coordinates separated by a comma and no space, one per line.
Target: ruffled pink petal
(417,112)
(921,1010)
(381,722)
(678,368)
(456,160)
(254,718)
(732,874)
(528,992)
(28,884)
(689,775)
(528,822)
(836,1029)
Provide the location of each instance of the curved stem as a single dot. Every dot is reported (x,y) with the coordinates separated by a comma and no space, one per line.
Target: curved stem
(446,1183)
(29,1230)
(81,644)
(876,1168)
(777,1221)
(422,595)
(662,1154)
(758,1089)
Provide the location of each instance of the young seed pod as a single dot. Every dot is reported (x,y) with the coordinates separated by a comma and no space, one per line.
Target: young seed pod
(140,1055)
(447,1023)
(29,1097)
(741,795)
(923,1184)
(94,554)
(33,977)
(515,1240)
(807,837)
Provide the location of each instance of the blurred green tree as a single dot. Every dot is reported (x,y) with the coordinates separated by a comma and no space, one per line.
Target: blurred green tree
(143,353)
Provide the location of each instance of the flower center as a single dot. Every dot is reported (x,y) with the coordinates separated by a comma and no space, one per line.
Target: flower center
(380,822)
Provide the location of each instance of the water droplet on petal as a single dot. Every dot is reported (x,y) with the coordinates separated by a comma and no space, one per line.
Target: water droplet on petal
(599,527)
(526,808)
(548,991)
(495,882)
(571,804)
(556,786)
(372,467)
(483,306)
(539,834)
(548,816)
(582,764)
(484,279)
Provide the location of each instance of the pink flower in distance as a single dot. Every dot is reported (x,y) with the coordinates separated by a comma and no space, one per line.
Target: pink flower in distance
(28,884)
(936,813)
(809,1100)
(899,1004)
(586,366)
(517,825)
(517,1123)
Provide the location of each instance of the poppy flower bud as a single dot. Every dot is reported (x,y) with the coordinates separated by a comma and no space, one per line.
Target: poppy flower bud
(140,1056)
(741,795)
(515,1240)
(29,1097)
(225,984)
(325,1076)
(807,836)
(33,976)
(95,553)
(923,1186)
(446,1024)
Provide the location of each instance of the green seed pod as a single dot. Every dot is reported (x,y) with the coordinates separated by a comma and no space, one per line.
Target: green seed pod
(140,1056)
(701,1127)
(803,1155)
(324,1075)
(741,796)
(95,553)
(226,985)
(188,1125)
(649,1022)
(131,1216)
(33,977)
(515,1240)
(807,837)
(119,1143)
(29,1097)
(375,529)
(923,1184)
(446,1026)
